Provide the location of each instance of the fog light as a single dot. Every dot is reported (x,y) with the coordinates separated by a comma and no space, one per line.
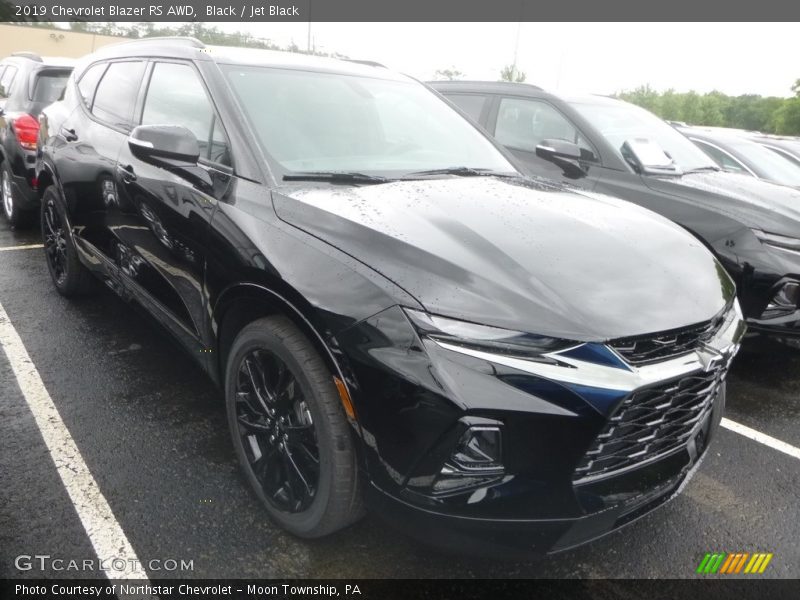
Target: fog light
(475,461)
(784,302)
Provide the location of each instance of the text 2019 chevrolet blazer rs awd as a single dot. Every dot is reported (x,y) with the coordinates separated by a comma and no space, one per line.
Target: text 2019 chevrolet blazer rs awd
(395,315)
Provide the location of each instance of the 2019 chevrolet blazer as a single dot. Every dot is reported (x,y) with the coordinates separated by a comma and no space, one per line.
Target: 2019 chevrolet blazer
(612,147)
(395,315)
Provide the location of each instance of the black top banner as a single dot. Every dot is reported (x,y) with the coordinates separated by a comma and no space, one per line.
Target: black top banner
(397,10)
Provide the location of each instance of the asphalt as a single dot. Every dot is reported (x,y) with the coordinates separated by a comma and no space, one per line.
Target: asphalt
(152,431)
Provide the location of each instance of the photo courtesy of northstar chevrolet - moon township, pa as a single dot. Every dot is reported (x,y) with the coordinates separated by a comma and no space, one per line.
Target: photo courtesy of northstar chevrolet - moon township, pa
(400,312)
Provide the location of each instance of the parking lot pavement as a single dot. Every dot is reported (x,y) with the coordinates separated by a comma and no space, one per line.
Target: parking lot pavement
(152,432)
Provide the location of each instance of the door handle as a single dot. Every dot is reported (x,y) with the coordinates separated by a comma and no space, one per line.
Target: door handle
(126,173)
(69,134)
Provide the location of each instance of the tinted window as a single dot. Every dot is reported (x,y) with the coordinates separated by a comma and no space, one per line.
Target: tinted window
(523,124)
(470,104)
(176,96)
(6,81)
(780,152)
(49,86)
(116,94)
(88,83)
(723,159)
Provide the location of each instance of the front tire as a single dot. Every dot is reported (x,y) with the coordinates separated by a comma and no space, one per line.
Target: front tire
(289,429)
(69,276)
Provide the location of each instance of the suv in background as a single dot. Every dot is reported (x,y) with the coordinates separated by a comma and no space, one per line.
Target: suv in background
(394,313)
(28,83)
(605,145)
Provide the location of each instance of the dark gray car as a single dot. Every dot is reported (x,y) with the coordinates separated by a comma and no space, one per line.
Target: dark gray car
(609,146)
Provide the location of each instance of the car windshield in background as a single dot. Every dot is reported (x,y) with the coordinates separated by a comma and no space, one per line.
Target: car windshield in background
(619,122)
(773,166)
(49,87)
(322,122)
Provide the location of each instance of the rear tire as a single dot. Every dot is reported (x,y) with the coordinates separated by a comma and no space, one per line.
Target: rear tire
(69,275)
(16,218)
(284,413)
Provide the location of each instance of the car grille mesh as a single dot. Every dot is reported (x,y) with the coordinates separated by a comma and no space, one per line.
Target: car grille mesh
(651,422)
(663,346)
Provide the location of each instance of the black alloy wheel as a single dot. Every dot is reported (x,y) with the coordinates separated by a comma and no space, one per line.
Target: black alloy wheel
(289,429)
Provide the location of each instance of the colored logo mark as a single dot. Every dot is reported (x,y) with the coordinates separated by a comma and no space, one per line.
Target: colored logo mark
(734,563)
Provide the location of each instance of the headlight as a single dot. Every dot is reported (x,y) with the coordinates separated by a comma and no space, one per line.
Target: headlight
(778,241)
(484,337)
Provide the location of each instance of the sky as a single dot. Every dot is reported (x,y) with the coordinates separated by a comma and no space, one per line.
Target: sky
(601,58)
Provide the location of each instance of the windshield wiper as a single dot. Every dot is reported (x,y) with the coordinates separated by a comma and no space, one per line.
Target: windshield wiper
(702,169)
(335,177)
(461,172)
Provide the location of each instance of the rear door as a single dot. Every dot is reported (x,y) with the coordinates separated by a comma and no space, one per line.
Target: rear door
(86,149)
(168,210)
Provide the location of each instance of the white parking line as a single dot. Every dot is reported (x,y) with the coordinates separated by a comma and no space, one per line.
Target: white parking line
(26,247)
(117,557)
(761,438)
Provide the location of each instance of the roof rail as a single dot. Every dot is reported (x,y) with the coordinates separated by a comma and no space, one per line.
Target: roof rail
(369,63)
(30,55)
(186,41)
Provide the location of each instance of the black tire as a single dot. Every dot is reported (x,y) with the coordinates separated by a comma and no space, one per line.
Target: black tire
(16,218)
(69,275)
(336,499)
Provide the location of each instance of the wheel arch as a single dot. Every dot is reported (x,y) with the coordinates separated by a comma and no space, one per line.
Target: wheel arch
(242,303)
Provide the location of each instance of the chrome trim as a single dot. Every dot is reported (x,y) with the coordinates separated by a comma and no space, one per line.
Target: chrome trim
(720,349)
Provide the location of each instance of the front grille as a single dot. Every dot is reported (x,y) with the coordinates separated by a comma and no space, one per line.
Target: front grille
(670,344)
(651,422)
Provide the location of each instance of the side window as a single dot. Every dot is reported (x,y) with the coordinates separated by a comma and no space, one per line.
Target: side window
(176,96)
(88,83)
(523,124)
(472,104)
(6,81)
(723,159)
(116,94)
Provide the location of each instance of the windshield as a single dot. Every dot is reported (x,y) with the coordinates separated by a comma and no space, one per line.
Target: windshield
(310,121)
(620,122)
(771,165)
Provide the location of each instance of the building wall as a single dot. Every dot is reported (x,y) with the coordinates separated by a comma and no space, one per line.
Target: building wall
(50,42)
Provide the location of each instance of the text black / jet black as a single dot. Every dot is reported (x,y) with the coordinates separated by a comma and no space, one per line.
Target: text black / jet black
(393,313)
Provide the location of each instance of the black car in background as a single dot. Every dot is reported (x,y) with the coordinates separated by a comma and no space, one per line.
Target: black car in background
(606,145)
(28,83)
(737,154)
(392,311)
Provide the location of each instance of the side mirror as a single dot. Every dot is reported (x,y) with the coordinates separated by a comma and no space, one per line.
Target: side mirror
(563,154)
(165,145)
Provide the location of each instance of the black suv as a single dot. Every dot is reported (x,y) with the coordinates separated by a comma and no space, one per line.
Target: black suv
(28,83)
(610,146)
(392,311)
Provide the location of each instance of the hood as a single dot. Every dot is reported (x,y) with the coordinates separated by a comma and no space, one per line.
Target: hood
(519,255)
(755,203)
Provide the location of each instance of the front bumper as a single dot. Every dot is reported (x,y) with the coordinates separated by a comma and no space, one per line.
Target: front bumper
(416,397)
(639,491)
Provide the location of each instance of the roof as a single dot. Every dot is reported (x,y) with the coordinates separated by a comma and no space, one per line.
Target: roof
(193,49)
(42,61)
(508,87)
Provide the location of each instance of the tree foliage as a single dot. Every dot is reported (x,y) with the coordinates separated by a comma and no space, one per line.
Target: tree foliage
(511,73)
(749,111)
(449,74)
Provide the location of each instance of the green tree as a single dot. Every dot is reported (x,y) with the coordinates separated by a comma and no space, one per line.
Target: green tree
(511,73)
(449,74)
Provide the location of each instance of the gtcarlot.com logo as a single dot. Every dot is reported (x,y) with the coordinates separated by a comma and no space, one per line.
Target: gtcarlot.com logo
(45,562)
(734,563)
